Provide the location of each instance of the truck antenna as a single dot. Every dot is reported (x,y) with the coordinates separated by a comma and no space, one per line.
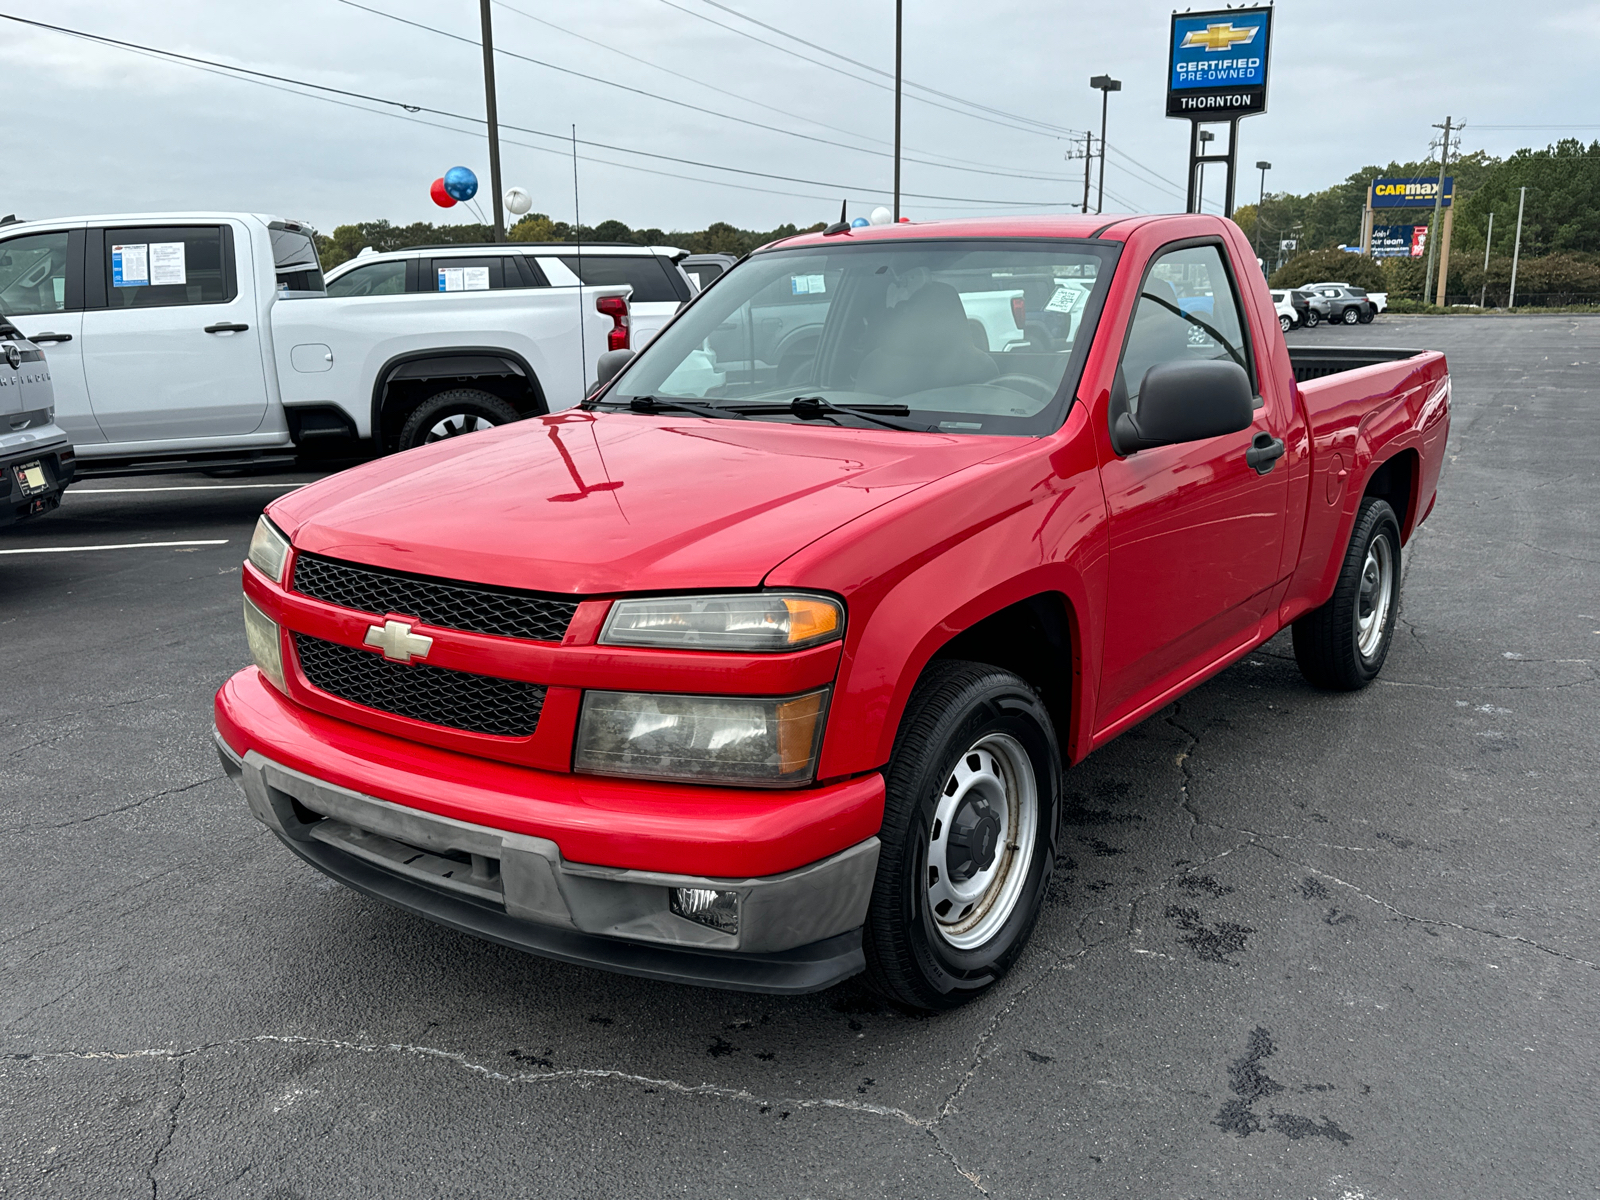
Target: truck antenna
(577,232)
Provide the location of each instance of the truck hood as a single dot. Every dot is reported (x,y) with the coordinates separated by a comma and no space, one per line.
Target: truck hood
(593,503)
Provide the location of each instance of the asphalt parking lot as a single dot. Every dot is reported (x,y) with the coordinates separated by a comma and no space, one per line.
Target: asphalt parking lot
(1303,946)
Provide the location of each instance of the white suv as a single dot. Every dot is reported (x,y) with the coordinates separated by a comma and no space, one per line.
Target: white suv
(659,286)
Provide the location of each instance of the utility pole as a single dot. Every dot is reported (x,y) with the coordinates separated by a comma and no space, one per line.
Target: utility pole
(494,124)
(1088,161)
(1106,86)
(1511,301)
(1261,201)
(1488,240)
(897,32)
(1438,208)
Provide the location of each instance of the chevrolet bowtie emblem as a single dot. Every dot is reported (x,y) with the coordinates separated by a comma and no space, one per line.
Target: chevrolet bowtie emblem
(1219,37)
(397,641)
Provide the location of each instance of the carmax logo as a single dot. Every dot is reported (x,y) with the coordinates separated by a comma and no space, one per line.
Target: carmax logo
(1220,37)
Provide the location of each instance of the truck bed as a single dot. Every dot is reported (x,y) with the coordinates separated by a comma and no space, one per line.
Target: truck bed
(1314,363)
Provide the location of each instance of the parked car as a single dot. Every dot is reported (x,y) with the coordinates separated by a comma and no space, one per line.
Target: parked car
(1343,305)
(705,269)
(1288,315)
(763,684)
(36,459)
(183,340)
(1380,300)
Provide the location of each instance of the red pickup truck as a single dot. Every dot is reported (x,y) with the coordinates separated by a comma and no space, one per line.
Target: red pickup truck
(761,667)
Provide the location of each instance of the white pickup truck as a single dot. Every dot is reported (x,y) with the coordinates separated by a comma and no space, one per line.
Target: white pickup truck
(208,339)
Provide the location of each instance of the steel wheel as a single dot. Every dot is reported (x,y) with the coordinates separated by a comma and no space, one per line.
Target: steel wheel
(455,425)
(981,841)
(1375,597)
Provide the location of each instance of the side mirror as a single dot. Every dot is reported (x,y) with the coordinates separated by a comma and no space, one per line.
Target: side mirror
(610,363)
(1186,402)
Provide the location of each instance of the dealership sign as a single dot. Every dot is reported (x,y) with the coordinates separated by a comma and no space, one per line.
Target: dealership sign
(1218,63)
(1411,193)
(1399,241)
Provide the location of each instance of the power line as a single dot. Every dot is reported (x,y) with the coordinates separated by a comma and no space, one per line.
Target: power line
(687,78)
(710,112)
(250,75)
(1055,129)
(869,82)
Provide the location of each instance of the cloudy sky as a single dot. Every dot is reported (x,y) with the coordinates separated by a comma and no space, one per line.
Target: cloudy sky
(92,128)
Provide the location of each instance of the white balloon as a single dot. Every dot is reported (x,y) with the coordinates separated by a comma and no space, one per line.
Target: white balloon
(881,216)
(518,201)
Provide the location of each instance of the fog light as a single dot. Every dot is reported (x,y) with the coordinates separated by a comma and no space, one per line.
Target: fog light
(708,907)
(266,647)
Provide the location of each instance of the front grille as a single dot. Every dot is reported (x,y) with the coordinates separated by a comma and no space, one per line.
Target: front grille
(457,699)
(475,608)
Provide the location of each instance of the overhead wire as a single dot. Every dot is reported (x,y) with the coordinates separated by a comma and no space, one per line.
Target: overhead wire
(408,110)
(742,99)
(615,85)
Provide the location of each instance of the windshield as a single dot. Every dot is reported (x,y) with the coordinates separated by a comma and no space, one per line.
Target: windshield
(960,337)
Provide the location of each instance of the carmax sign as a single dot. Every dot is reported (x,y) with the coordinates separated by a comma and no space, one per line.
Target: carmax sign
(1411,193)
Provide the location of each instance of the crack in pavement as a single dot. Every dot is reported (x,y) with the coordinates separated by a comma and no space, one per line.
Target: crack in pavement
(172,1129)
(111,812)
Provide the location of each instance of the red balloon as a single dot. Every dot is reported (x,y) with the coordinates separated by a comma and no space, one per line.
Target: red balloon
(441,197)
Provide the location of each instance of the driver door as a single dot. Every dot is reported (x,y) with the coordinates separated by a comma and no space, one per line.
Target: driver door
(1196,533)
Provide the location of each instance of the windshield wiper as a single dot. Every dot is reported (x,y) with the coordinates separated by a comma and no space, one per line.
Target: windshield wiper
(649,404)
(810,408)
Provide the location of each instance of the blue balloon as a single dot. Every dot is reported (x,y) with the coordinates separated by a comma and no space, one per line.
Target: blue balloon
(858,223)
(461,183)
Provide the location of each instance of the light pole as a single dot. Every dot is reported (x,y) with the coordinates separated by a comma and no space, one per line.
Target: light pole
(897,28)
(1262,166)
(494,124)
(1106,86)
(1205,136)
(1516,249)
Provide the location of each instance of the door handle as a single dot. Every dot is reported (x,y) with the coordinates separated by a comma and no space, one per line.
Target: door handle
(226,327)
(1264,452)
(50,337)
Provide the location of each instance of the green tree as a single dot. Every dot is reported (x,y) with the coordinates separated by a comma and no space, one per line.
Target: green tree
(1315,266)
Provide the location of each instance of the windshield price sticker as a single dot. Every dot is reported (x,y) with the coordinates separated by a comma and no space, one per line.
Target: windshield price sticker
(1065,299)
(167,264)
(463,279)
(130,265)
(807,285)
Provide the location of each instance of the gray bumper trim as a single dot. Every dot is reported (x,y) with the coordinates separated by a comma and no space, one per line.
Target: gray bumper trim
(799,931)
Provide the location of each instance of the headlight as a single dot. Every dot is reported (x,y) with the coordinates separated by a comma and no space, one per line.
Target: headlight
(269,550)
(749,740)
(266,647)
(743,621)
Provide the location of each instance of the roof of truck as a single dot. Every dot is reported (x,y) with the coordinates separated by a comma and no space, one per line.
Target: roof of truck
(1064,225)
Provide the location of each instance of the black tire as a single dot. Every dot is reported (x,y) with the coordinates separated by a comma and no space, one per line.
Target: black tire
(1350,316)
(1285,323)
(958,713)
(1313,318)
(1367,317)
(1332,647)
(453,413)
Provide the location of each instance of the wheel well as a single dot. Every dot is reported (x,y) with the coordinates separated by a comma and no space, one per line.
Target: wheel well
(406,382)
(1032,638)
(1395,481)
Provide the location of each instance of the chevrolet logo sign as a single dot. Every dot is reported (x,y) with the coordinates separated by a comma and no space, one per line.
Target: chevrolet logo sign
(1220,37)
(397,641)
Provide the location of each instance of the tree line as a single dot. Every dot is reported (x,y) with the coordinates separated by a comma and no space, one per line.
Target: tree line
(1560,259)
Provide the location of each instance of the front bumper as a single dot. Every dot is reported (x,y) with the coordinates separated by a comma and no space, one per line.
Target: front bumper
(799,931)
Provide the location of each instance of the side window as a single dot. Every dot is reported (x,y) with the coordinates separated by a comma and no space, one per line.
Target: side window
(523,272)
(375,279)
(466,275)
(1186,311)
(158,267)
(33,274)
(294,258)
(646,272)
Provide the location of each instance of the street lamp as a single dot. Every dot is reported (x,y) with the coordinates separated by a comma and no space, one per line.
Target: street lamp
(1205,136)
(1263,167)
(1106,86)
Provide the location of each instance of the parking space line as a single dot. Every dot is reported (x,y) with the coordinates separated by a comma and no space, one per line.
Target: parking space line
(190,487)
(121,546)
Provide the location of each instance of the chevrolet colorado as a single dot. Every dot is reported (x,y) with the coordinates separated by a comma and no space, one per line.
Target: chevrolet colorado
(759,673)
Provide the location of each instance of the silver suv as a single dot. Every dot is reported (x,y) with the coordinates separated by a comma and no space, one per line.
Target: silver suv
(36,459)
